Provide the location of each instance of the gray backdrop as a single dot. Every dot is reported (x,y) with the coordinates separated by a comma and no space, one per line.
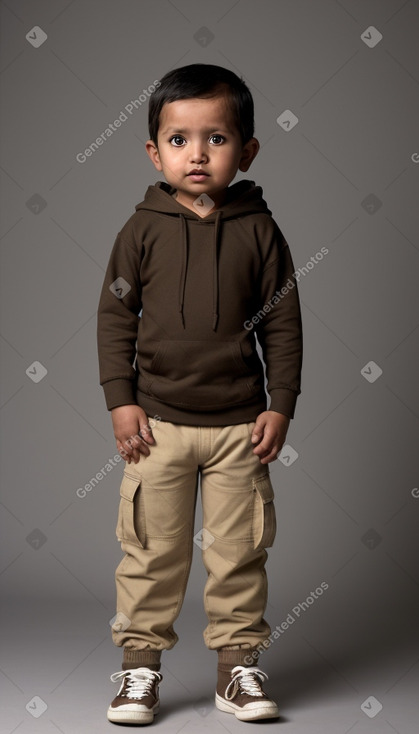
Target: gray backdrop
(335,85)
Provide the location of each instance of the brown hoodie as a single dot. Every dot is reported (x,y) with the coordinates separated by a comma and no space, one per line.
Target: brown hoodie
(175,329)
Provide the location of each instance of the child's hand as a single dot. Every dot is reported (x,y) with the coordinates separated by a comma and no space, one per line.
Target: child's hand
(269,434)
(132,432)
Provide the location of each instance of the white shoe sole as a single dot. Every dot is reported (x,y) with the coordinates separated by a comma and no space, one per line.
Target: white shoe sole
(252,711)
(134,714)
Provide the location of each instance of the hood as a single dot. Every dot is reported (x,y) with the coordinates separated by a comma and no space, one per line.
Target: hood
(243,198)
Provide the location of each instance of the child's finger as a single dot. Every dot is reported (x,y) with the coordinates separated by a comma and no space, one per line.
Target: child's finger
(257,433)
(146,433)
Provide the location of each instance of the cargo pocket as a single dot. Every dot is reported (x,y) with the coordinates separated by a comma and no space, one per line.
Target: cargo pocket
(264,516)
(129,523)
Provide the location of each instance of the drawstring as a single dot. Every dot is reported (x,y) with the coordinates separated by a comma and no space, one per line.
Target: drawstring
(184,267)
(215,272)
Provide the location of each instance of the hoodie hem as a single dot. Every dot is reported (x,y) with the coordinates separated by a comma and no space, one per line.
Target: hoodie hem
(222,417)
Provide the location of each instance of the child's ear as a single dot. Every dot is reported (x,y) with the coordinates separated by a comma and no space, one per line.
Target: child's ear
(153,154)
(249,153)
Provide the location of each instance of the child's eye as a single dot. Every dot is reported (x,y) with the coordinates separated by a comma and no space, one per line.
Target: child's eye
(217,139)
(177,141)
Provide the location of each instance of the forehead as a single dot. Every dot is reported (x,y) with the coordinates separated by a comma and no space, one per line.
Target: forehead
(197,113)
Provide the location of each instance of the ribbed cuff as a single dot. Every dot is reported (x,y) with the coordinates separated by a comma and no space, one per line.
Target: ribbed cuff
(283,401)
(119,392)
(229,657)
(139,658)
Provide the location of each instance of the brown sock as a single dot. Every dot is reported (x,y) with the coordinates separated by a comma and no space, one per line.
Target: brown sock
(228,657)
(141,659)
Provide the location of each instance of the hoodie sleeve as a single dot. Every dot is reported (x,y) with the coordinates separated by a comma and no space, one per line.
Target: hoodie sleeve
(117,324)
(279,326)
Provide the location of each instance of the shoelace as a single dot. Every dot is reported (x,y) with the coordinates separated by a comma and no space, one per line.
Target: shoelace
(245,680)
(139,681)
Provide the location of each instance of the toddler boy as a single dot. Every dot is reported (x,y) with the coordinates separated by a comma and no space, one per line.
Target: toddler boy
(195,274)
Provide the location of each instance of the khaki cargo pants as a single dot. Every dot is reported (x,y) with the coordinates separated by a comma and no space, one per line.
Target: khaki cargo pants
(156,530)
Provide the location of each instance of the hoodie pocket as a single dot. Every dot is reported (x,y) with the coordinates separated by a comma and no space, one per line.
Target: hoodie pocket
(201,374)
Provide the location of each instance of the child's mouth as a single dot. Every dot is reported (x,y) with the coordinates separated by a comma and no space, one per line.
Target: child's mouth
(198,175)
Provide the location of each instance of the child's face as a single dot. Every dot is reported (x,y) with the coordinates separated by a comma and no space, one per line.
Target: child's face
(200,134)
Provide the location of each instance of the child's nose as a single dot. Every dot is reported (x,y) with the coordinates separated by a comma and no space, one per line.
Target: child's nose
(198,153)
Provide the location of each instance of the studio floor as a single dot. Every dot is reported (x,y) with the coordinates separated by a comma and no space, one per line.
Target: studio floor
(57,658)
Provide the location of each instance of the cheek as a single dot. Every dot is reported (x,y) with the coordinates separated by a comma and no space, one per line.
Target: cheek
(232,162)
(170,159)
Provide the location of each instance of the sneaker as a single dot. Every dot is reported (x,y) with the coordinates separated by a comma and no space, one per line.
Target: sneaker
(137,700)
(244,696)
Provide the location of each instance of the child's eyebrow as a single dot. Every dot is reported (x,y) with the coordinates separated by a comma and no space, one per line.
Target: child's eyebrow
(186,131)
